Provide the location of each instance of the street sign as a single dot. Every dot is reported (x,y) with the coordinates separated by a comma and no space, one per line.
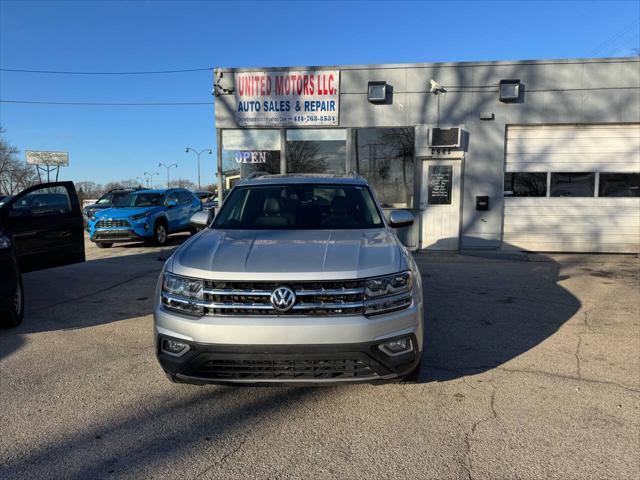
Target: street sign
(51,159)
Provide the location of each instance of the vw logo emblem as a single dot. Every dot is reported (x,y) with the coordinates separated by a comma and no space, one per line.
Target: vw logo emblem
(283,299)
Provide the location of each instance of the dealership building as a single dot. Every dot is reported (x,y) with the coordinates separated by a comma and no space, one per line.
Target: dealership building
(531,155)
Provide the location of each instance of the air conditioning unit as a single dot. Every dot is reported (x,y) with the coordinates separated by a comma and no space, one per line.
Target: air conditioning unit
(445,137)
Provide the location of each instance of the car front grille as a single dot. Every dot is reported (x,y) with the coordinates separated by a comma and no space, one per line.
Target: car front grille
(114,235)
(312,298)
(222,367)
(113,224)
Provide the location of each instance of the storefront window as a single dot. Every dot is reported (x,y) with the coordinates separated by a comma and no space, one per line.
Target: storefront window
(619,185)
(248,151)
(317,151)
(525,184)
(573,184)
(385,157)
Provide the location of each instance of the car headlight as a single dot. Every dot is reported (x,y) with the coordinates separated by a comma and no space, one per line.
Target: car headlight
(141,215)
(182,294)
(4,241)
(388,293)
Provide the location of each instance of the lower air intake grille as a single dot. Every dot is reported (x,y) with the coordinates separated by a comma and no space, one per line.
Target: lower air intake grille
(281,368)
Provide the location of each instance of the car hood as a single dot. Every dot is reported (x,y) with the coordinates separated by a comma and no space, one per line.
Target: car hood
(288,255)
(114,213)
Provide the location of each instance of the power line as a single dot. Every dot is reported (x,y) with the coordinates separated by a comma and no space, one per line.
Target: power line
(111,104)
(62,72)
(614,37)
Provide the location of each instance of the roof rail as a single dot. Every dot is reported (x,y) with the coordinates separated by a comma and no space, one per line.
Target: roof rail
(355,174)
(255,175)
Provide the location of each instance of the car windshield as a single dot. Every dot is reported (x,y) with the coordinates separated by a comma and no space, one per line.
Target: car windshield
(305,206)
(105,199)
(111,198)
(144,199)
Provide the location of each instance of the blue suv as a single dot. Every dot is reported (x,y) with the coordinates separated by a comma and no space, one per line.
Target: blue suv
(147,215)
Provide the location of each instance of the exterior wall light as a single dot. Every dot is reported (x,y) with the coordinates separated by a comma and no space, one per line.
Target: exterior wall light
(377,92)
(509,90)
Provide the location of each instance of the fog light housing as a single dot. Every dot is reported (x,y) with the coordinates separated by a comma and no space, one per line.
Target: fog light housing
(397,347)
(172,347)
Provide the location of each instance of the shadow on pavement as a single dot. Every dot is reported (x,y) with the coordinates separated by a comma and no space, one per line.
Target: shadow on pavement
(78,296)
(213,420)
(484,309)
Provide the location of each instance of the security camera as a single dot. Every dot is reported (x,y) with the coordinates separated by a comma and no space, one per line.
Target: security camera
(436,88)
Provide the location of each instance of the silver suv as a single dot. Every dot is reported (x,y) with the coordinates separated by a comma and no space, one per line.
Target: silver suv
(299,279)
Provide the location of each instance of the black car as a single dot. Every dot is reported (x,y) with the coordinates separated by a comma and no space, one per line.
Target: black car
(108,200)
(40,227)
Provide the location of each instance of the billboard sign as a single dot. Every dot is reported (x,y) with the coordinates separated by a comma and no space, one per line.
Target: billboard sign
(287,98)
(52,159)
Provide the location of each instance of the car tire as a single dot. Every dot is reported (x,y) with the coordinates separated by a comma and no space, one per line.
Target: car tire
(104,244)
(160,233)
(15,314)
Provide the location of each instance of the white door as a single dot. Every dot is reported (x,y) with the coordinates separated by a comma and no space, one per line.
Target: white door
(440,204)
(572,188)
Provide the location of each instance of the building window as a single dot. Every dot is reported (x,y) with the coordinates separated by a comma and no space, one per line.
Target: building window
(385,157)
(317,151)
(573,184)
(248,151)
(619,185)
(525,184)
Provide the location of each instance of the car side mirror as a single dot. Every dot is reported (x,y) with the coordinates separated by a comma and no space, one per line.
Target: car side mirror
(172,203)
(400,218)
(201,219)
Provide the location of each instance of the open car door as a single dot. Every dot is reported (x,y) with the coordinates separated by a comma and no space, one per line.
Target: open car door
(45,223)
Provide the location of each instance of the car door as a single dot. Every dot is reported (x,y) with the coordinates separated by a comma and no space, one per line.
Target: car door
(172,205)
(45,223)
(186,207)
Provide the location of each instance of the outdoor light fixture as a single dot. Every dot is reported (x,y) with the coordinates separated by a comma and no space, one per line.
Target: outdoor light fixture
(509,90)
(377,92)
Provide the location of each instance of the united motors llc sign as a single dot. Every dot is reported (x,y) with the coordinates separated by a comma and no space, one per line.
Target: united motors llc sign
(286,98)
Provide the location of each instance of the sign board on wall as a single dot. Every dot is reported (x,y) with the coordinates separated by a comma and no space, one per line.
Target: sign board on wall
(286,98)
(440,178)
(52,159)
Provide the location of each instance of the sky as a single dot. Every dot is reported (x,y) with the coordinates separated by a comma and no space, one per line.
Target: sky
(108,143)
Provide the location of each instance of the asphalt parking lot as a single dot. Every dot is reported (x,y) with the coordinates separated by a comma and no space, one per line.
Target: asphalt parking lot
(532,370)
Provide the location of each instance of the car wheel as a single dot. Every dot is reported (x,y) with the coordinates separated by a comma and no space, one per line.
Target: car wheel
(160,234)
(104,244)
(14,315)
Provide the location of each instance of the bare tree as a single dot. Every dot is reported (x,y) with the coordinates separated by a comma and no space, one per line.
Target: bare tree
(305,156)
(182,183)
(15,175)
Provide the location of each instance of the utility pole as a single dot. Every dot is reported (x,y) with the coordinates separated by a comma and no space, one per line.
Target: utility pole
(150,177)
(208,150)
(168,167)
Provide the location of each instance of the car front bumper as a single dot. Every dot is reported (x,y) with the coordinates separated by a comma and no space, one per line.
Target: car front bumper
(288,349)
(136,232)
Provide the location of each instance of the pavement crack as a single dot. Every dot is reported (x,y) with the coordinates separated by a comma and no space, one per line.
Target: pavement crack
(585,318)
(467,464)
(223,458)
(577,355)
(482,368)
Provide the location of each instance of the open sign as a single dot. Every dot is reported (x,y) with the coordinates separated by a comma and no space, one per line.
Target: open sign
(251,157)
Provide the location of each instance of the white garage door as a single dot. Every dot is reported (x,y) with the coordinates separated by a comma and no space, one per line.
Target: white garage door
(572,188)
